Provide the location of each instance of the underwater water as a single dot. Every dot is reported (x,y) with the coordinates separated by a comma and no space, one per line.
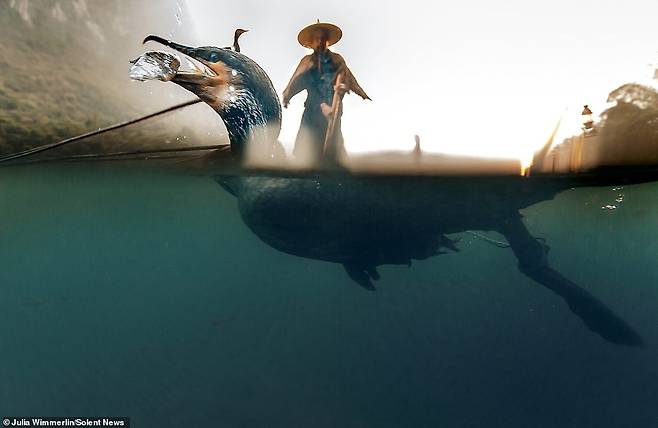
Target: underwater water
(142,293)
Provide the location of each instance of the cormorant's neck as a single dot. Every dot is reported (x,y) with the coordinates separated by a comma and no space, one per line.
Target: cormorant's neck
(248,121)
(248,102)
(236,46)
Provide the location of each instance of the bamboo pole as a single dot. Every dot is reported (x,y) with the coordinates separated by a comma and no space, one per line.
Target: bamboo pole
(335,110)
(50,146)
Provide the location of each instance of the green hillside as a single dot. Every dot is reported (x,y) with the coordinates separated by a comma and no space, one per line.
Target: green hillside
(63,72)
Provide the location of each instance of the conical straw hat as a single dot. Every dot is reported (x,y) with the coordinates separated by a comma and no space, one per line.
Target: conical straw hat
(334,34)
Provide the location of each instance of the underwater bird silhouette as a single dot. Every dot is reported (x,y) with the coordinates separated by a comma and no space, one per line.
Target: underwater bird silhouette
(366,222)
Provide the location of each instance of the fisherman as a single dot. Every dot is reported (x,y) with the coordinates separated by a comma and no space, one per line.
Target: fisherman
(326,78)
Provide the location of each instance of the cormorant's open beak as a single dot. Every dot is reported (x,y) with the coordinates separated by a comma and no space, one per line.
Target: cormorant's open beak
(199,71)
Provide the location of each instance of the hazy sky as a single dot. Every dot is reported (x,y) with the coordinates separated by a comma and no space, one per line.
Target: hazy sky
(472,76)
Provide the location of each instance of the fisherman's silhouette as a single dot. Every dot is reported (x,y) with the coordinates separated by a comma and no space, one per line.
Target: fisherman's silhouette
(326,78)
(363,223)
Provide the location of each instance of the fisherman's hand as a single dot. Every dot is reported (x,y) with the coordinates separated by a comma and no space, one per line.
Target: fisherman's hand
(341,88)
(326,110)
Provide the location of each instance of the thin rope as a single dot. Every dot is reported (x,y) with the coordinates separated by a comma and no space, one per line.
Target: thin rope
(134,153)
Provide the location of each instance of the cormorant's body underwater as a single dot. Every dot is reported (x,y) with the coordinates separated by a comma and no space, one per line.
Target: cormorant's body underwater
(362,223)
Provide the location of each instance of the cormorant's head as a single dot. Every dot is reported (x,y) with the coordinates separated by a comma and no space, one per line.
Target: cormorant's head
(234,86)
(239,32)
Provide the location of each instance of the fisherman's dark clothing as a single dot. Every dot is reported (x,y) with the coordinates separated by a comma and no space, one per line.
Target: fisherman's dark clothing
(317,74)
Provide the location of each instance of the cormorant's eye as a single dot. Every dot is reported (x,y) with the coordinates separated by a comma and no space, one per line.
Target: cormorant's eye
(214,56)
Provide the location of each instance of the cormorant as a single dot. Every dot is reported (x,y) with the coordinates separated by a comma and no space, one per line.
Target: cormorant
(236,47)
(363,223)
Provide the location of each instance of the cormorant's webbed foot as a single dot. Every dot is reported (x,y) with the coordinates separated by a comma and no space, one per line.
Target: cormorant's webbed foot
(531,255)
(362,275)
